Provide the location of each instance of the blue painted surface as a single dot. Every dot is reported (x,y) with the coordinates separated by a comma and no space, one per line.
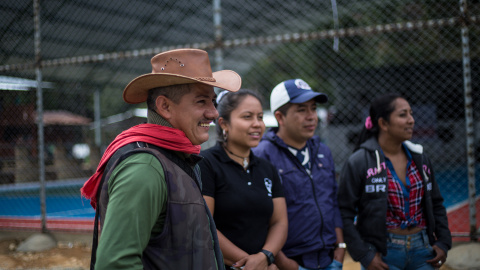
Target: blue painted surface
(64,200)
(453,184)
(57,207)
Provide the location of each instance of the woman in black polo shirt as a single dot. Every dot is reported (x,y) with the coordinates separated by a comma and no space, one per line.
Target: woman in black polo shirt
(243,191)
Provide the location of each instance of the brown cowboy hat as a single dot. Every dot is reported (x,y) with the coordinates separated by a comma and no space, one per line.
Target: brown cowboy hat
(182,66)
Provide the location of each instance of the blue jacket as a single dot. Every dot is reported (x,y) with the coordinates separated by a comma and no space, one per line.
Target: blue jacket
(313,212)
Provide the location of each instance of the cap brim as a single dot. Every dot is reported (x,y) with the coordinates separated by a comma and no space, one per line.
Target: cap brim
(137,90)
(306,96)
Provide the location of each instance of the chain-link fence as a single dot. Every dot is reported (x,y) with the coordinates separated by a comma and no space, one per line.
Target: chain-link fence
(64,64)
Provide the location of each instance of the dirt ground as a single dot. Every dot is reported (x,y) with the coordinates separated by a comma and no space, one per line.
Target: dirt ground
(70,253)
(66,255)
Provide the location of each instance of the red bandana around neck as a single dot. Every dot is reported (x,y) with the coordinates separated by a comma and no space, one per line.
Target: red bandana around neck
(162,136)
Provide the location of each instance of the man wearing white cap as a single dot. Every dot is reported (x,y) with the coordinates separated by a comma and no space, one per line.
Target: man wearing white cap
(148,177)
(315,238)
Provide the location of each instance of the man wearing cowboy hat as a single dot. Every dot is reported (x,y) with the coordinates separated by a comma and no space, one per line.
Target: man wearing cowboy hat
(156,217)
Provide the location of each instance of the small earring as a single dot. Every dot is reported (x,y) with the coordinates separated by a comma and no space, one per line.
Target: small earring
(225,135)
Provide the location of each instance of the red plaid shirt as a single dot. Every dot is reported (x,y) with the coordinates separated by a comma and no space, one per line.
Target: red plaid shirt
(404,202)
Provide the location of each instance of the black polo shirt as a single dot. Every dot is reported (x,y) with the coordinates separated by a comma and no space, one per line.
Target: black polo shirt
(243,198)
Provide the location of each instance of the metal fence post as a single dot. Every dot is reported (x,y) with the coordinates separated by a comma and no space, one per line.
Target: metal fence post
(217,24)
(468,119)
(97,123)
(41,146)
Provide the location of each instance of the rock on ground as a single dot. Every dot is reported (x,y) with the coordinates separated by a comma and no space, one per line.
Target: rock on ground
(464,257)
(37,242)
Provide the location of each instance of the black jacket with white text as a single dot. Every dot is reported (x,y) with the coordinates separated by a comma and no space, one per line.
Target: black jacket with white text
(363,191)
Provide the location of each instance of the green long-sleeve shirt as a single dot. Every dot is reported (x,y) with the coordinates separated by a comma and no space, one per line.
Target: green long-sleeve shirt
(137,206)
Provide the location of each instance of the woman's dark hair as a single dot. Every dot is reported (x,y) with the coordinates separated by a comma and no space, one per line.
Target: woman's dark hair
(381,107)
(229,102)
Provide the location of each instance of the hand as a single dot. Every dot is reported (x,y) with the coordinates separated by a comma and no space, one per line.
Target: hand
(285,263)
(377,263)
(440,257)
(272,267)
(339,254)
(253,262)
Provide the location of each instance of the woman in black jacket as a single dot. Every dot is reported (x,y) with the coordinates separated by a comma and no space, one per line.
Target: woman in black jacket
(391,205)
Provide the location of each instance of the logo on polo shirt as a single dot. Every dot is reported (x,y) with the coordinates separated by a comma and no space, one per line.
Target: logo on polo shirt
(268,185)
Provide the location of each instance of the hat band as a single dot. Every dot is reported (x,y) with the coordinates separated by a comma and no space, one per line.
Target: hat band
(208,79)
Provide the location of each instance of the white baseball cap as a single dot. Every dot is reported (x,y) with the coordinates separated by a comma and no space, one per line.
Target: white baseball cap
(294,91)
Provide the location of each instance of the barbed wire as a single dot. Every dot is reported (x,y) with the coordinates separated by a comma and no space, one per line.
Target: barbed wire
(252,41)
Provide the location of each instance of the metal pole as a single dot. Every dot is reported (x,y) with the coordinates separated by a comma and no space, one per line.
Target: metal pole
(98,125)
(41,146)
(469,119)
(217,22)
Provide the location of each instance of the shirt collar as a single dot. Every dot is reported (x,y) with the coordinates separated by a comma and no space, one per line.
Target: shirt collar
(409,155)
(407,152)
(409,158)
(223,156)
(154,118)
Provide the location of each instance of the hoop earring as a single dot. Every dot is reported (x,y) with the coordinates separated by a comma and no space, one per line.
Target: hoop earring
(225,135)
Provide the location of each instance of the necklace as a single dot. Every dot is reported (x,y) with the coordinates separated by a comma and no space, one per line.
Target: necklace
(245,161)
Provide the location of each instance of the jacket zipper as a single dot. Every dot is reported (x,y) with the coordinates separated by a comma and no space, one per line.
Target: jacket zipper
(297,162)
